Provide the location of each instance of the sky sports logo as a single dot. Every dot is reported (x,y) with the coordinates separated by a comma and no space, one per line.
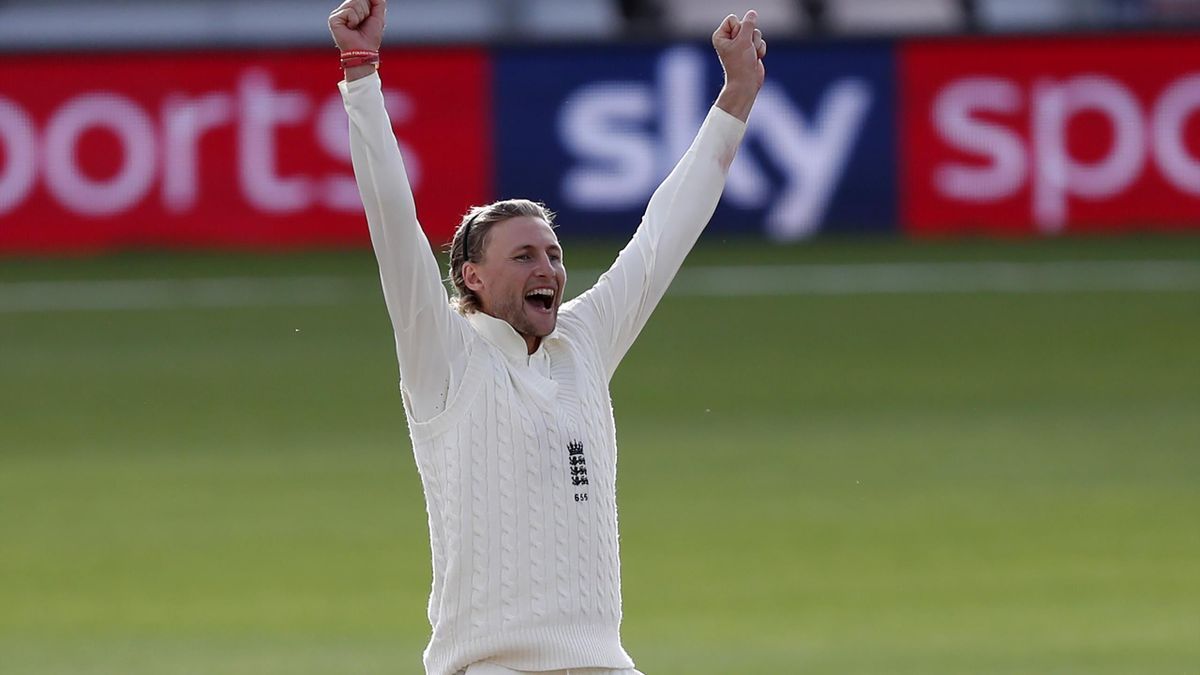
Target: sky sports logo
(1051,137)
(818,155)
(208,150)
(154,151)
(625,136)
(1030,137)
(939,137)
(1141,140)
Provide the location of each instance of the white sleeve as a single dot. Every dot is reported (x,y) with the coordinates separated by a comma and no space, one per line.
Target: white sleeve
(617,307)
(430,340)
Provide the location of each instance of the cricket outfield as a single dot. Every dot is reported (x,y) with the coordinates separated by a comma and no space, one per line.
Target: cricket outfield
(846,458)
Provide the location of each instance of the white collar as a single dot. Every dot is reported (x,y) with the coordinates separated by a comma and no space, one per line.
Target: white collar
(501,333)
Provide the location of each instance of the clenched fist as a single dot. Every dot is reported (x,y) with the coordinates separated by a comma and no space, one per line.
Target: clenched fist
(358,24)
(741,48)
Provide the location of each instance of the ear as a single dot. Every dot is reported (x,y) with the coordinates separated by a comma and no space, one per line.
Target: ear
(471,277)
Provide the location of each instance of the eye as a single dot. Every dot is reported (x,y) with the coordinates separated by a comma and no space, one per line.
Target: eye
(523,257)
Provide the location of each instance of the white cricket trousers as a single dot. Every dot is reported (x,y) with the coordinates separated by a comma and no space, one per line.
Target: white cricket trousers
(485,668)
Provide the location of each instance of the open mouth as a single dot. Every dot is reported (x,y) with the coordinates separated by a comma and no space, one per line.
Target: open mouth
(541,299)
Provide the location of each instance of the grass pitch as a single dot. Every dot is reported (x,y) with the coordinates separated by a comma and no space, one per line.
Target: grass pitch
(903,483)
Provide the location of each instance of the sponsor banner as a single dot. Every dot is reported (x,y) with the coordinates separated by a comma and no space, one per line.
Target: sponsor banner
(219,150)
(1017,137)
(592,131)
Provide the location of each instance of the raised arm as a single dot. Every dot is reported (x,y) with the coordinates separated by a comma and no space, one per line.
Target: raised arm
(428,343)
(617,307)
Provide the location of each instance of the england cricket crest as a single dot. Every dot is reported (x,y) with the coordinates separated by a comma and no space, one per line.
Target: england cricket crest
(578,467)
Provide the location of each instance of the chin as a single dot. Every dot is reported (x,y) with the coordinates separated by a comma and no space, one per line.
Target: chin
(545,328)
(543,325)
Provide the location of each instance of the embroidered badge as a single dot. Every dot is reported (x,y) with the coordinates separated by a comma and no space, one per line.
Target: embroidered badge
(578,464)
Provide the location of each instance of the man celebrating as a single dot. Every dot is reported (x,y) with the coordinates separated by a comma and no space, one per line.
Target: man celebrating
(506,388)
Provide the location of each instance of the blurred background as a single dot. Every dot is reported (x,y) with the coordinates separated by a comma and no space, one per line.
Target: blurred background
(924,400)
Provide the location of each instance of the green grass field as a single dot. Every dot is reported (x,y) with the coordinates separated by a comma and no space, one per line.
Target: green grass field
(923,483)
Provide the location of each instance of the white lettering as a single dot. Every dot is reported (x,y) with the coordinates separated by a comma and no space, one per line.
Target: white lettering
(604,124)
(256,111)
(681,98)
(262,110)
(813,158)
(1179,102)
(19,138)
(953,114)
(1059,176)
(185,121)
(601,123)
(132,127)
(340,191)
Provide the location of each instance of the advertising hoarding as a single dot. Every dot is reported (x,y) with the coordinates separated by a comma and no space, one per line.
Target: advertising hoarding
(593,131)
(220,150)
(931,137)
(1046,136)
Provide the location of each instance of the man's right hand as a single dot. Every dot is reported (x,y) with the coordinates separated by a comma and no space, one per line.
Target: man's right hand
(741,48)
(358,25)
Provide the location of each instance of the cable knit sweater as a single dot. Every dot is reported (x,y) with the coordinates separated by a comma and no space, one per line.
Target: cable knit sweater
(517,452)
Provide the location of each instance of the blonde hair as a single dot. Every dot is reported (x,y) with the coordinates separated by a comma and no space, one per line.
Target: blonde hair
(470,241)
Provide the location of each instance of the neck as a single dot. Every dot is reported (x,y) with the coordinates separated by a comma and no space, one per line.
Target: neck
(532,342)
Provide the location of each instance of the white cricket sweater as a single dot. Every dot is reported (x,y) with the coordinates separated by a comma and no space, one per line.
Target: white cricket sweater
(517,452)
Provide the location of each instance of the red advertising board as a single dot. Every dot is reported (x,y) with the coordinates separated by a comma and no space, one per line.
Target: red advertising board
(223,150)
(1022,136)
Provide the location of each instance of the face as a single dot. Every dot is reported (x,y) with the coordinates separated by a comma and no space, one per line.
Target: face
(521,277)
